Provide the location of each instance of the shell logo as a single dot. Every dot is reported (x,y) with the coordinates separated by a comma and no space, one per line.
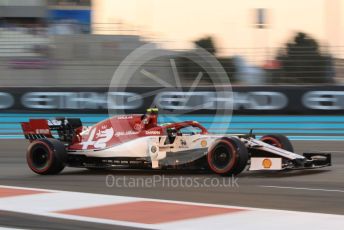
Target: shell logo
(267,163)
(204,143)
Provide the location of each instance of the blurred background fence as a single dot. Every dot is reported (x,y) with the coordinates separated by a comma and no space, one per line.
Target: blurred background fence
(33,57)
(82,42)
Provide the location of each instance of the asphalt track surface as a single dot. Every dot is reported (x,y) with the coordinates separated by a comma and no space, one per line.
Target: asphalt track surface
(317,190)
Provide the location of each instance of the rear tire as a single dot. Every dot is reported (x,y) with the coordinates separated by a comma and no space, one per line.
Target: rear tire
(279,141)
(227,156)
(46,156)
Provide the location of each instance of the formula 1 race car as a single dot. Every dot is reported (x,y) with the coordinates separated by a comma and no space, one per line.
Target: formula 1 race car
(138,141)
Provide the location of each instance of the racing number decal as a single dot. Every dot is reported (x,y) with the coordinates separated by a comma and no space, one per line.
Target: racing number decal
(98,139)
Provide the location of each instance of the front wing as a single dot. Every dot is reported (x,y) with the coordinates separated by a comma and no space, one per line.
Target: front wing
(273,158)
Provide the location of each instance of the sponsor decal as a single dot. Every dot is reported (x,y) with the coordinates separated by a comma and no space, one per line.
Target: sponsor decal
(261,100)
(324,100)
(154,149)
(183,144)
(54,122)
(126,133)
(152,132)
(204,143)
(80,100)
(246,100)
(138,126)
(267,163)
(6,100)
(124,117)
(42,131)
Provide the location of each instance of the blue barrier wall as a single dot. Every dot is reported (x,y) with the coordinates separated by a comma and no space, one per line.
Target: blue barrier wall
(295,127)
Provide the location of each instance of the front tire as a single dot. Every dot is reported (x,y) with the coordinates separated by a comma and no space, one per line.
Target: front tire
(227,156)
(46,156)
(279,141)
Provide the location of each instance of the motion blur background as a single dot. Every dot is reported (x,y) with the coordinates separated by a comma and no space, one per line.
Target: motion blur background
(282,58)
(81,42)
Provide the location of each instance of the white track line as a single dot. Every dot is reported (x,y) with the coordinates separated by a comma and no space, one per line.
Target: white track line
(8,228)
(53,202)
(300,188)
(165,200)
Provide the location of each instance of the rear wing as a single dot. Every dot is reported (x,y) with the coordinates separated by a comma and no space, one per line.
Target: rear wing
(66,128)
(36,129)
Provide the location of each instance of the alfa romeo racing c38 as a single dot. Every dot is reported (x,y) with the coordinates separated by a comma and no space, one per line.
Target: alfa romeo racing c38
(138,141)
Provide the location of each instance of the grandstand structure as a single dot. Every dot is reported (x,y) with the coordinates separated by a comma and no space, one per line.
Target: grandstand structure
(37,49)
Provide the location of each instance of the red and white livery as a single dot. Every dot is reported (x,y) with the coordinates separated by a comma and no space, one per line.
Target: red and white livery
(138,141)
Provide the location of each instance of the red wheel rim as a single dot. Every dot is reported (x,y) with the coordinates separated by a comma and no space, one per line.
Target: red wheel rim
(30,155)
(272,141)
